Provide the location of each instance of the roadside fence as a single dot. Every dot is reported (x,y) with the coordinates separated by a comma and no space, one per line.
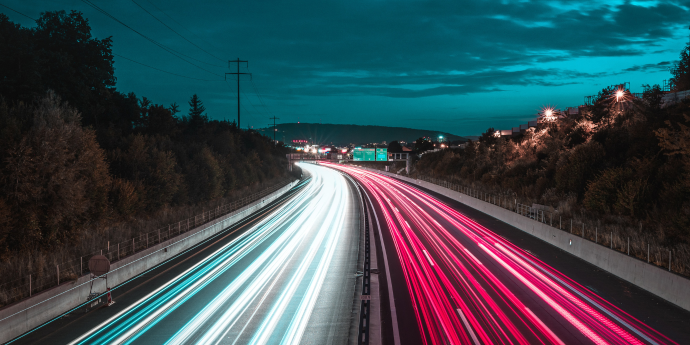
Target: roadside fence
(31,284)
(674,260)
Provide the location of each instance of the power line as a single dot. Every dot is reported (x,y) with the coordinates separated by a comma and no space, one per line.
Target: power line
(173,30)
(182,26)
(243,107)
(164,71)
(274,128)
(261,98)
(126,58)
(238,61)
(169,50)
(13,10)
(250,103)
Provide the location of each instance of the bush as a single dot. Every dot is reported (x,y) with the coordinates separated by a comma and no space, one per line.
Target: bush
(583,163)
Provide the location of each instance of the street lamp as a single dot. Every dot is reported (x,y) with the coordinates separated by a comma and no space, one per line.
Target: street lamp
(619,95)
(548,114)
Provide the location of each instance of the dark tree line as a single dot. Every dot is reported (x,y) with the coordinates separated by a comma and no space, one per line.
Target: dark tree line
(77,155)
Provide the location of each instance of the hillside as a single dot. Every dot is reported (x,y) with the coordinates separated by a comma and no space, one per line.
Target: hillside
(355,134)
(623,172)
(78,157)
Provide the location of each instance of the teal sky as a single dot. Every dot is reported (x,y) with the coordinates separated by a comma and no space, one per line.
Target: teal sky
(456,66)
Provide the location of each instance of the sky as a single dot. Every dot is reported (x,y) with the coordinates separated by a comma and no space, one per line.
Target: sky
(458,66)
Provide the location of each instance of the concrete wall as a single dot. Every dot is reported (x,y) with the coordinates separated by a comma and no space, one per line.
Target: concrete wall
(30,313)
(659,281)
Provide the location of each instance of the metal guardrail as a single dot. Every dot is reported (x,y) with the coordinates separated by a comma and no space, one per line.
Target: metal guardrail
(365,308)
(659,258)
(18,289)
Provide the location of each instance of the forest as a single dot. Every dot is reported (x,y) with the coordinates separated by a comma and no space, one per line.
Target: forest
(79,157)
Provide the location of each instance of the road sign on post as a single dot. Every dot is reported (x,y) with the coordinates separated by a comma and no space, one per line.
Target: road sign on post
(99,266)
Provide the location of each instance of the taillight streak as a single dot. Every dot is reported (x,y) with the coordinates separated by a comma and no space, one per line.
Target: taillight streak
(434,260)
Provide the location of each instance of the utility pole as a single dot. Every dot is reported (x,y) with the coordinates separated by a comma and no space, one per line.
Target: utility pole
(238,61)
(274,118)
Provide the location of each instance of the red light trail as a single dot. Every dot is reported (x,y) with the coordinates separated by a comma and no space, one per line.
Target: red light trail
(470,286)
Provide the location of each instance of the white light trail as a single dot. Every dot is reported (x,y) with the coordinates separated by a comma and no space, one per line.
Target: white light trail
(273,295)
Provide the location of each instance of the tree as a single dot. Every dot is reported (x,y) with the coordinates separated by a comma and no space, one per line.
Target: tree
(681,73)
(197,118)
(20,78)
(581,166)
(160,120)
(423,144)
(78,67)
(395,147)
(488,137)
(600,111)
(54,178)
(174,108)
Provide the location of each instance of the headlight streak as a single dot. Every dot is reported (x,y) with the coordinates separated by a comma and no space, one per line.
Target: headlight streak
(440,272)
(204,315)
(217,262)
(305,231)
(215,333)
(160,290)
(296,329)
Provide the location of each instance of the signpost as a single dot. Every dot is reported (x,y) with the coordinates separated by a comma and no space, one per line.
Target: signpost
(99,266)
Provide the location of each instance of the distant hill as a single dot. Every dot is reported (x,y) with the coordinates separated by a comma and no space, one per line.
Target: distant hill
(355,134)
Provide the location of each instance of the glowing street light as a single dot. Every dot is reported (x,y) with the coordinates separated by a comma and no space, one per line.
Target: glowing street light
(619,95)
(548,114)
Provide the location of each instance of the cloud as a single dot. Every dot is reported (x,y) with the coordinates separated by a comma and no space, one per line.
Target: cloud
(311,51)
(650,67)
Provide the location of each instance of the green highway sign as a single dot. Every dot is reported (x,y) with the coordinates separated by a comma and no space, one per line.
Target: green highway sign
(381,154)
(360,154)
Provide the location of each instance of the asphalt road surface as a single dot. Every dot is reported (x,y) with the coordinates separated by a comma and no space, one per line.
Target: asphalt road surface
(285,275)
(457,276)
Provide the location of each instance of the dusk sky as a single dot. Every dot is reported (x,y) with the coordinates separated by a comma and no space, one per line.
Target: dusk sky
(455,66)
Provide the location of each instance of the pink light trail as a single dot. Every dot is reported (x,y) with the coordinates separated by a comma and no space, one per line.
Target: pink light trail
(469,285)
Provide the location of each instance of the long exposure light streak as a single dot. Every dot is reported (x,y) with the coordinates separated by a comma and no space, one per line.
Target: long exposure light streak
(470,286)
(278,266)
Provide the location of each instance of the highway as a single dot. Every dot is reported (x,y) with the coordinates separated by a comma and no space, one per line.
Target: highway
(450,280)
(286,275)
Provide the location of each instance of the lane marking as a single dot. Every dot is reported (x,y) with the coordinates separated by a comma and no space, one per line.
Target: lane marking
(469,329)
(427,257)
(248,222)
(175,279)
(391,300)
(544,326)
